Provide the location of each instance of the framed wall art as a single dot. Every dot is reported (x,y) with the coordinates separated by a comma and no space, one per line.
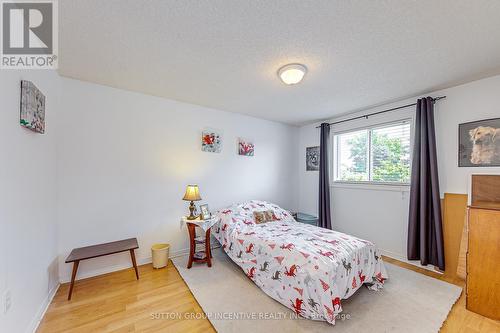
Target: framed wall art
(479,143)
(32,107)
(245,147)
(211,141)
(312,158)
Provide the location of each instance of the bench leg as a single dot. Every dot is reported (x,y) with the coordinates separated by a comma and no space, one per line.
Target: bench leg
(73,276)
(132,255)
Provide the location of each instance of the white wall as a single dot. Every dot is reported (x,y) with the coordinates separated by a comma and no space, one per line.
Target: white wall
(380,213)
(28,230)
(125,158)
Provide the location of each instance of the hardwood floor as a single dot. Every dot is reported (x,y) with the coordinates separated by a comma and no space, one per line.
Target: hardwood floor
(116,302)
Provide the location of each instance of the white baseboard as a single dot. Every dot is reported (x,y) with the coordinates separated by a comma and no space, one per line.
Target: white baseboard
(119,267)
(411,262)
(43,308)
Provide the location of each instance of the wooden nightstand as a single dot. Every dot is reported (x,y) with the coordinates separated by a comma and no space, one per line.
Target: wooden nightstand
(205,255)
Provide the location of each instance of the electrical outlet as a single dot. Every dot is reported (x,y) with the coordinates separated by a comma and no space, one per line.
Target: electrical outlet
(7,301)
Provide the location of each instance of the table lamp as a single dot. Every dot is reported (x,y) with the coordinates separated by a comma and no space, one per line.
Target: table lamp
(192,194)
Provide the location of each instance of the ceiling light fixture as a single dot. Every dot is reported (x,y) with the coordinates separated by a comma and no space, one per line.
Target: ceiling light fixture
(292,73)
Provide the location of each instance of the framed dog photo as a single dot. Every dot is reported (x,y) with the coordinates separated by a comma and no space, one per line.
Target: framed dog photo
(204,212)
(479,143)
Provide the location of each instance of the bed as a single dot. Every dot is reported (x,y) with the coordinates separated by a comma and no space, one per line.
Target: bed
(306,268)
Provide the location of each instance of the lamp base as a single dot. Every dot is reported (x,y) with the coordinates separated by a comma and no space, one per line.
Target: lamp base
(191,211)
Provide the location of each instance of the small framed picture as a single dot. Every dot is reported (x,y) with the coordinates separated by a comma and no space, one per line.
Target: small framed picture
(245,147)
(211,141)
(32,107)
(204,212)
(312,158)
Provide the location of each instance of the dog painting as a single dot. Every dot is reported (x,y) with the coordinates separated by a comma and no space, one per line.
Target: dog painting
(479,143)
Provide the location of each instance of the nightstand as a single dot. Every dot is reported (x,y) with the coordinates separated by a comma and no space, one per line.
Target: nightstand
(204,255)
(306,218)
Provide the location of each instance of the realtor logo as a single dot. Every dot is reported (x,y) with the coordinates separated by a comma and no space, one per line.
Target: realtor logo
(29,34)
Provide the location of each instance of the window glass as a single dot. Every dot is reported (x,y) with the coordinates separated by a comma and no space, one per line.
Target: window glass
(352,156)
(390,148)
(380,154)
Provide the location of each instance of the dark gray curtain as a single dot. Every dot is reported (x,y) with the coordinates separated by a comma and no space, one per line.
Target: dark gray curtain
(425,231)
(325,220)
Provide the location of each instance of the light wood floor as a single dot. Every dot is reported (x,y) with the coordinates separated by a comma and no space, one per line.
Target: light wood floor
(116,302)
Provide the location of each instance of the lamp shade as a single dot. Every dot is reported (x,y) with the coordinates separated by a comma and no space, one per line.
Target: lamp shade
(192,193)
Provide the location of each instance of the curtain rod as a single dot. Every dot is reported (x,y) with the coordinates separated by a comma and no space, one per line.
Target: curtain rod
(379,112)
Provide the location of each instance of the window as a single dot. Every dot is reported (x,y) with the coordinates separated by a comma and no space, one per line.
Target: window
(378,154)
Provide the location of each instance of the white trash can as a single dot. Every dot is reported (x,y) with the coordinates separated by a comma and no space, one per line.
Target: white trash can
(160,255)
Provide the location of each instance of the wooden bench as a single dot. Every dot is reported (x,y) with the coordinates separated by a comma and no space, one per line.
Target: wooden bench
(100,250)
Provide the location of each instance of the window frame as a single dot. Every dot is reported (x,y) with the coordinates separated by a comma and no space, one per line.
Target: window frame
(370,183)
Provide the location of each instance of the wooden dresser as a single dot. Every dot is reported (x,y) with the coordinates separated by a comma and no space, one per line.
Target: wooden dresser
(483,255)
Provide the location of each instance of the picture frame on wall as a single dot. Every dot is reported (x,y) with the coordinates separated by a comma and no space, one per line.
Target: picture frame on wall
(246,147)
(32,115)
(312,158)
(211,141)
(479,143)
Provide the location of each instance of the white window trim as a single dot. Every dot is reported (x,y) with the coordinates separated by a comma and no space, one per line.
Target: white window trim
(368,184)
(396,187)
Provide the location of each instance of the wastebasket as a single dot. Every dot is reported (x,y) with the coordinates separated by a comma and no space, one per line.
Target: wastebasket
(160,255)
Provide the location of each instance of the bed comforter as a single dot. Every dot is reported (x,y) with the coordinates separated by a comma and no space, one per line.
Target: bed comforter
(306,268)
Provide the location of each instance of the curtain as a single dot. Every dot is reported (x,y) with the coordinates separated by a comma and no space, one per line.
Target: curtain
(325,220)
(425,231)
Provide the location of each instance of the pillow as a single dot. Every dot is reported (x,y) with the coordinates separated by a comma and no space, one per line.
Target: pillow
(264,216)
(259,217)
(270,216)
(243,212)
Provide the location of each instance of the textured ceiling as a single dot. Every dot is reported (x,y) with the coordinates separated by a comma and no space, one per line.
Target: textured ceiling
(224,54)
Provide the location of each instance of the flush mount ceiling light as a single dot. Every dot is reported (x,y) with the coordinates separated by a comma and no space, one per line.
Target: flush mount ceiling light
(292,73)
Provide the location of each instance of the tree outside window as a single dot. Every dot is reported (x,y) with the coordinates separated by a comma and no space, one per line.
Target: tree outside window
(379,154)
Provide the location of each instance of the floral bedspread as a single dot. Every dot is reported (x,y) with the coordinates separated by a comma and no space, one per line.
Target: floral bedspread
(306,268)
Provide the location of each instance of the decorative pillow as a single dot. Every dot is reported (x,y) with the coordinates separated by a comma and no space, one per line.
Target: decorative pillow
(243,213)
(265,216)
(270,216)
(259,217)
